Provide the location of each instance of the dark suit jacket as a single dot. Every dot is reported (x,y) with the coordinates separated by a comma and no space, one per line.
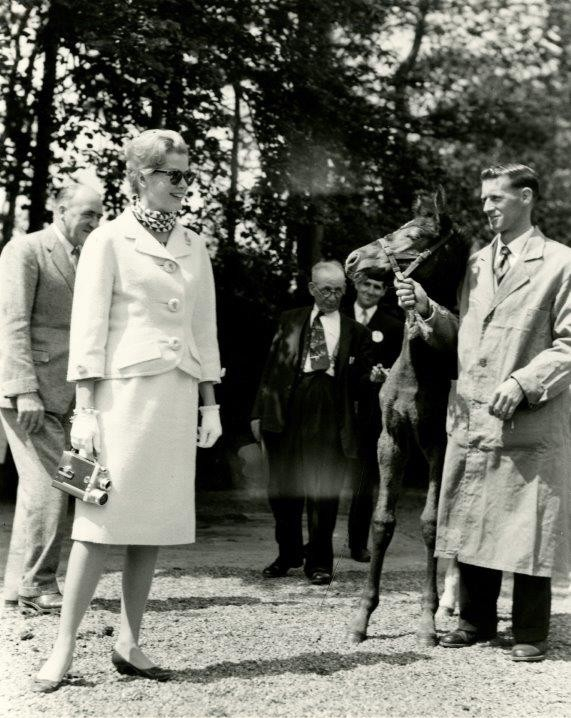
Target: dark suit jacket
(387,328)
(36,290)
(282,370)
(388,321)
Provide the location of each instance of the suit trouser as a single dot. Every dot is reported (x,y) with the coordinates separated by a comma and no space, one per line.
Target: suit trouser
(365,482)
(365,479)
(307,464)
(531,603)
(39,518)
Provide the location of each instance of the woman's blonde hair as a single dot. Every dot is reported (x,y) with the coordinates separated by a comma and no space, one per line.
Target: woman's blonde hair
(149,150)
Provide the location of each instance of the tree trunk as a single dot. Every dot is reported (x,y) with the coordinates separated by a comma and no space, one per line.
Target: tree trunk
(231,209)
(42,156)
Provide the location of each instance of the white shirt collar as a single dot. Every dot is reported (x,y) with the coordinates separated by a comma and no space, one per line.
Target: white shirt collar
(68,246)
(516,246)
(330,315)
(363,313)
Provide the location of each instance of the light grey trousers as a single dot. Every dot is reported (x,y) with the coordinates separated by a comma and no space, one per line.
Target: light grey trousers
(39,519)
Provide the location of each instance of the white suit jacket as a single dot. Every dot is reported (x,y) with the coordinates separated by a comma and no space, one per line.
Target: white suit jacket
(140,308)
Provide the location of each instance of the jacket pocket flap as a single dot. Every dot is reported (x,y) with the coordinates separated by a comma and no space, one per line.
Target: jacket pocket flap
(135,354)
(40,356)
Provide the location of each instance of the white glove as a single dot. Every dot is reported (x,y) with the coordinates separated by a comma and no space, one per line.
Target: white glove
(210,428)
(85,435)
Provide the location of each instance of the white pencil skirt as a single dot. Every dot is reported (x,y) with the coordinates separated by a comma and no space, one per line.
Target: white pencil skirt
(148,444)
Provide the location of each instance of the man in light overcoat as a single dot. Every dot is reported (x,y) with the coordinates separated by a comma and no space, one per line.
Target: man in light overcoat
(37,274)
(503,502)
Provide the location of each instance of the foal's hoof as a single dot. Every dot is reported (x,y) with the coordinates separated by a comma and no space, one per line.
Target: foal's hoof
(356,637)
(426,640)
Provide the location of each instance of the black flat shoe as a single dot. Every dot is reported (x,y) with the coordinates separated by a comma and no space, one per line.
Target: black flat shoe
(529,652)
(44,685)
(361,555)
(461,638)
(320,578)
(279,568)
(47,685)
(128,669)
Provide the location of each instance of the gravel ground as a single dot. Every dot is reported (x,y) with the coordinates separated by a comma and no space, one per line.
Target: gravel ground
(245,646)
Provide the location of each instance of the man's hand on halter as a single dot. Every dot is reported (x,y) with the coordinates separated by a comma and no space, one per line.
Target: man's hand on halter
(412,296)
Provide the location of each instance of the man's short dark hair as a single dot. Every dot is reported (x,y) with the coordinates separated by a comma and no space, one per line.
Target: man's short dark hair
(375,273)
(520,176)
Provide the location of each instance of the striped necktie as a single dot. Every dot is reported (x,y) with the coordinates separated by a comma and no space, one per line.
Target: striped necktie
(318,354)
(502,265)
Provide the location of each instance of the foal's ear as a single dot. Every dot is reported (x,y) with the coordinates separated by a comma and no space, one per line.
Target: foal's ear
(439,199)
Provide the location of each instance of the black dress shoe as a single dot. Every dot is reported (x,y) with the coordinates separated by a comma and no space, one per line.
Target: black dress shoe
(46,603)
(320,578)
(529,652)
(362,555)
(279,568)
(45,685)
(128,669)
(461,638)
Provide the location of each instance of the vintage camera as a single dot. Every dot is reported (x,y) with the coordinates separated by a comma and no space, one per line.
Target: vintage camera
(83,478)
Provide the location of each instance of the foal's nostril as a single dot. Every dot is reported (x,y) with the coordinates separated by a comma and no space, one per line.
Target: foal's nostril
(352,259)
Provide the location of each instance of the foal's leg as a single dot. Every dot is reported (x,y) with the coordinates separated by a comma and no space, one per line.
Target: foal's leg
(426,633)
(392,462)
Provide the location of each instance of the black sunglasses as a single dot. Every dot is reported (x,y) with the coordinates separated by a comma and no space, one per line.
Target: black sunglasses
(175,176)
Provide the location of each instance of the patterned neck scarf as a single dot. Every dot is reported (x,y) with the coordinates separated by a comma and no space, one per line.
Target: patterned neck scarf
(153,218)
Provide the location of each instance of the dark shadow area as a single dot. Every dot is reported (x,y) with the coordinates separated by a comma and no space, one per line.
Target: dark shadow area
(188,603)
(388,636)
(321,664)
(560,637)
(348,582)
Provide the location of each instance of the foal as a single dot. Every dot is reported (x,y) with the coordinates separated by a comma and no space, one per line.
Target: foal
(414,395)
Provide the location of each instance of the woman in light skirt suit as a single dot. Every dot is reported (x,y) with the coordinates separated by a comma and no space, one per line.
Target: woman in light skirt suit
(143,353)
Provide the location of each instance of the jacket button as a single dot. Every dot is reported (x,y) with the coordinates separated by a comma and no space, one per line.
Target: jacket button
(81,369)
(169,266)
(483,362)
(174,343)
(173,304)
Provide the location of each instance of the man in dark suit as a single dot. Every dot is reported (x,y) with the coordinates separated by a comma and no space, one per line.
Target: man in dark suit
(37,274)
(385,320)
(305,412)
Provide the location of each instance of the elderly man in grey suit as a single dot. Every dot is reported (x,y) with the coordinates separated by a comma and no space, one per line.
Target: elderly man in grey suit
(37,273)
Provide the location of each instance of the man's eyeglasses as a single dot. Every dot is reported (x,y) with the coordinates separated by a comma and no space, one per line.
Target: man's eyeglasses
(175,176)
(331,291)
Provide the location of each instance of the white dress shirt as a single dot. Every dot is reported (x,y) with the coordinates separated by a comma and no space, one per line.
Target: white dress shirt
(363,315)
(515,247)
(332,329)
(67,245)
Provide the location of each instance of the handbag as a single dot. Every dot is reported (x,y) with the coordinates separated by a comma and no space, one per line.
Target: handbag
(83,478)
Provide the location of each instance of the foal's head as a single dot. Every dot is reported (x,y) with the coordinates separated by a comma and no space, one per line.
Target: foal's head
(441,272)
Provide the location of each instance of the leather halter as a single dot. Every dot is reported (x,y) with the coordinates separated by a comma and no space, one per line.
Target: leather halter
(420,258)
(411,314)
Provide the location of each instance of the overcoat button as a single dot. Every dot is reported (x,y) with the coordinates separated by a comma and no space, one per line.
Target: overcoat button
(483,362)
(173,304)
(169,266)
(81,369)
(174,343)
